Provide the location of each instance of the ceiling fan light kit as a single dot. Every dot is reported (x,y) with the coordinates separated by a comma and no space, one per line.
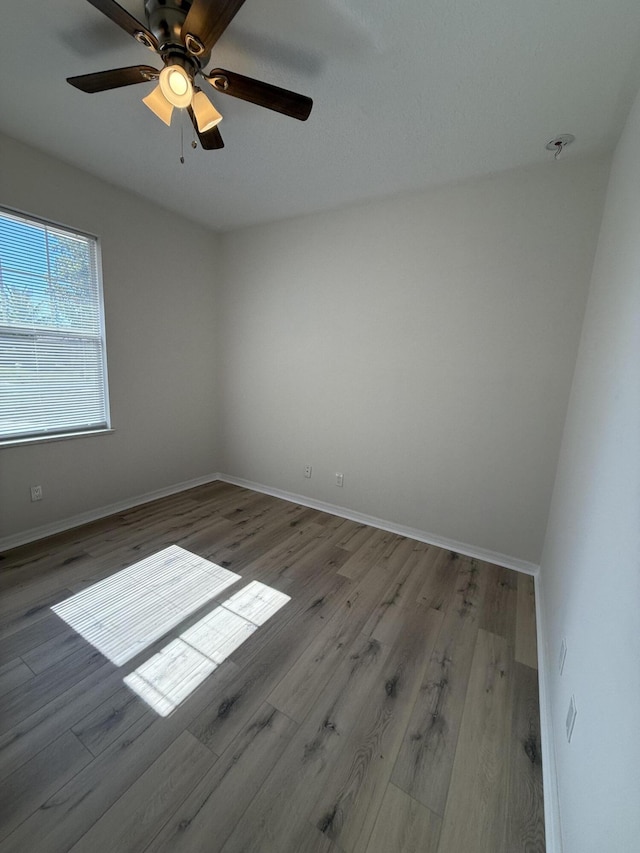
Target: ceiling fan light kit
(159,105)
(183,33)
(176,86)
(207,116)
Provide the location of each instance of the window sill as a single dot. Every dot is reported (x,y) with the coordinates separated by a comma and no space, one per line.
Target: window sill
(45,439)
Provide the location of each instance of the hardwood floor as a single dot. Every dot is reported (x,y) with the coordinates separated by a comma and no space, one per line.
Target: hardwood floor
(390,706)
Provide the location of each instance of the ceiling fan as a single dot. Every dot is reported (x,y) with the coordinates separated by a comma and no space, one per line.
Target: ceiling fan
(183,33)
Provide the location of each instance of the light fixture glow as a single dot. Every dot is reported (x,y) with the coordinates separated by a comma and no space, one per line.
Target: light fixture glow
(159,105)
(207,116)
(176,85)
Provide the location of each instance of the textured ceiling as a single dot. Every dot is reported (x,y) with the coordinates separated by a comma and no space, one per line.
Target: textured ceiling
(406,95)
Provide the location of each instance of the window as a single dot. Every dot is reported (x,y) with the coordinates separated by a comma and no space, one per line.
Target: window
(53,375)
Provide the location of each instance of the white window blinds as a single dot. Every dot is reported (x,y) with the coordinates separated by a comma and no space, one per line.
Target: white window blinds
(52,357)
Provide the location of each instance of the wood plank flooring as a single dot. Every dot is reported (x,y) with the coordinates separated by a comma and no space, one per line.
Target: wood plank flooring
(390,706)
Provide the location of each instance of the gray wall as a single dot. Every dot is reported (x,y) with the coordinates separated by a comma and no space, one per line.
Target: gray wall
(590,572)
(423,346)
(159,273)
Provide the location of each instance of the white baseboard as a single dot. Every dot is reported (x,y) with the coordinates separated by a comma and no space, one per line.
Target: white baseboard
(410,532)
(35,533)
(549,778)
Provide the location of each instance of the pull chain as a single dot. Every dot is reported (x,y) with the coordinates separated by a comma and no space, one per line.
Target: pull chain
(194,144)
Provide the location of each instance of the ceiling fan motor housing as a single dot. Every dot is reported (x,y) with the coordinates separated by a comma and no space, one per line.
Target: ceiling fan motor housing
(165,20)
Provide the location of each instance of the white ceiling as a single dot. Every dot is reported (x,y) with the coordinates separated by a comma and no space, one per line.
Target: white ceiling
(406,95)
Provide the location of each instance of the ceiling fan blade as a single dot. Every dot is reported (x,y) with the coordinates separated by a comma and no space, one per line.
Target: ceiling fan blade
(208,19)
(100,81)
(128,23)
(263,94)
(210,139)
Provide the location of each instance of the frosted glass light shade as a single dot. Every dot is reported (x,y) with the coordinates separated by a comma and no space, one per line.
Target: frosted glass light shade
(176,85)
(207,116)
(159,105)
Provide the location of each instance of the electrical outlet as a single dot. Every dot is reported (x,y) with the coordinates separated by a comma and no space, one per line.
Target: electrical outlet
(563,654)
(571,718)
(340,480)
(307,470)
(36,493)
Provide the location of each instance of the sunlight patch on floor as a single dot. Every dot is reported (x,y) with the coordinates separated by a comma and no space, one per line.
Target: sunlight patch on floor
(123,614)
(167,678)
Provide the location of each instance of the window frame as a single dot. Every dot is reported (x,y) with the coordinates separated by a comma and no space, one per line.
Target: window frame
(33,331)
